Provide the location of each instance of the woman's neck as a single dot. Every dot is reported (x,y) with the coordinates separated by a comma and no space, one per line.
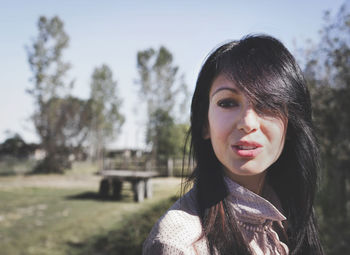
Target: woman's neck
(254,183)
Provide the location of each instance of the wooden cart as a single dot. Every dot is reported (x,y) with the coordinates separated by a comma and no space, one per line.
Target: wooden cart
(112,183)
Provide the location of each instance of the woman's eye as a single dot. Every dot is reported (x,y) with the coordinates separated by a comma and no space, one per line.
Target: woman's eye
(227,103)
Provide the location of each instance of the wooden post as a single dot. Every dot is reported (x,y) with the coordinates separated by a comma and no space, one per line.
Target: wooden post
(103,159)
(148,165)
(117,188)
(170,167)
(104,188)
(148,188)
(139,190)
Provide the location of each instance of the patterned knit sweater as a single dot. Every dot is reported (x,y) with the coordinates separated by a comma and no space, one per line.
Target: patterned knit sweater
(178,230)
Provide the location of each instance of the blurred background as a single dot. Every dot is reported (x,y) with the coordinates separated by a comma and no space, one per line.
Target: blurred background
(87,86)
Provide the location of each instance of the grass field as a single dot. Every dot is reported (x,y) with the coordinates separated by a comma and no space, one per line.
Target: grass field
(63,214)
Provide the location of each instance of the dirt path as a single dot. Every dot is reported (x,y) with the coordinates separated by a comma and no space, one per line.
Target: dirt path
(62,181)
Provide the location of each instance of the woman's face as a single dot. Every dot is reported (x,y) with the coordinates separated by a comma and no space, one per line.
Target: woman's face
(245,142)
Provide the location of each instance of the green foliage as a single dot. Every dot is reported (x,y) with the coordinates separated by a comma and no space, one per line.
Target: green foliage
(45,60)
(163,90)
(63,125)
(106,117)
(61,120)
(15,146)
(166,136)
(328,74)
(157,78)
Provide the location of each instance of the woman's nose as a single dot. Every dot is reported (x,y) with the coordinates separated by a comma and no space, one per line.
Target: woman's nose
(248,120)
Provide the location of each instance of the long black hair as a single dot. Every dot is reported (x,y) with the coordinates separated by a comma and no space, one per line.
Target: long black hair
(266,72)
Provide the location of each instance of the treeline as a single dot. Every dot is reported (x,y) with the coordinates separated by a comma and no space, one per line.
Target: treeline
(66,123)
(16,147)
(327,71)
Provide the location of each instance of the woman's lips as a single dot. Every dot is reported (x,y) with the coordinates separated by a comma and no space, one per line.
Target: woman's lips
(247,149)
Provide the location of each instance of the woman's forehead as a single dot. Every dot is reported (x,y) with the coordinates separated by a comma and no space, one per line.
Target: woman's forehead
(223,83)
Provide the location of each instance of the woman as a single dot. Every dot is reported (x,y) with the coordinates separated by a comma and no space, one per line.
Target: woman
(256,159)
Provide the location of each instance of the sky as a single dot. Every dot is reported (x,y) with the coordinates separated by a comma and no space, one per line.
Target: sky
(112,32)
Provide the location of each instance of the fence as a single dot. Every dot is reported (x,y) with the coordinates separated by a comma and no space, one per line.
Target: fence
(167,167)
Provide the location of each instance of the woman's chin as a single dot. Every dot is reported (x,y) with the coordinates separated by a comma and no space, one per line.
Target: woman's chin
(240,172)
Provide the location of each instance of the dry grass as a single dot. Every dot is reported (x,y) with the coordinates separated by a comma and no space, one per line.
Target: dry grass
(61,214)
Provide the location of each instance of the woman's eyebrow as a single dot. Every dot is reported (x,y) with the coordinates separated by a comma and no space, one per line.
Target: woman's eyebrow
(233,90)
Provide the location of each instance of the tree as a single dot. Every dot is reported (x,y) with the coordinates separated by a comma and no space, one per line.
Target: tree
(63,126)
(161,87)
(328,73)
(107,119)
(15,146)
(60,120)
(168,136)
(45,60)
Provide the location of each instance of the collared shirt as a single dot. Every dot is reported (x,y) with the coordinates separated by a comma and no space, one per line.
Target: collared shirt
(179,230)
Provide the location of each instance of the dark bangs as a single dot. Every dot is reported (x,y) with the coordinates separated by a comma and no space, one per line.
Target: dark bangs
(263,71)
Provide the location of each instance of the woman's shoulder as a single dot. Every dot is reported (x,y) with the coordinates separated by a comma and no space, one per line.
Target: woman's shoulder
(178,229)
